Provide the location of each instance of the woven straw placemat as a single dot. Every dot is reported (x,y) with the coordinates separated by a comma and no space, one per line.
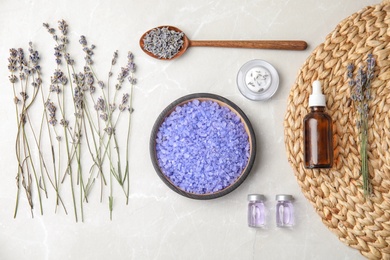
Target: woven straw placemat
(336,194)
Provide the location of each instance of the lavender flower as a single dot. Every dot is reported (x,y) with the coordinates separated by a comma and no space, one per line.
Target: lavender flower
(100,105)
(125,100)
(79,79)
(51,30)
(55,88)
(13,78)
(131,64)
(24,96)
(132,80)
(51,108)
(34,57)
(125,72)
(88,50)
(36,82)
(13,60)
(83,40)
(109,130)
(101,84)
(63,27)
(13,64)
(20,59)
(58,54)
(89,79)
(13,53)
(78,99)
(112,107)
(68,59)
(59,77)
(64,123)
(114,58)
(104,116)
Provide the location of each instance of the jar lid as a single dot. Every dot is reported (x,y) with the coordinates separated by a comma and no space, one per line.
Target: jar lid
(257,80)
(284,197)
(256,197)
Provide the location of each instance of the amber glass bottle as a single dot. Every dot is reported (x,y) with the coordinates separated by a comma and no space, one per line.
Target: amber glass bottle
(317,135)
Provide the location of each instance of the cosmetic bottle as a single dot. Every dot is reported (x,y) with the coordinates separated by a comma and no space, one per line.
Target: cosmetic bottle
(284,210)
(317,135)
(256,210)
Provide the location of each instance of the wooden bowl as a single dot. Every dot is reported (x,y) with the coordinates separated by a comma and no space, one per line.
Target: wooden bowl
(222,102)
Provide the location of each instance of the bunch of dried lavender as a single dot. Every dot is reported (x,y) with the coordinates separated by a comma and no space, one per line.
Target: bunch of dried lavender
(125,105)
(361,95)
(99,131)
(26,72)
(70,131)
(108,116)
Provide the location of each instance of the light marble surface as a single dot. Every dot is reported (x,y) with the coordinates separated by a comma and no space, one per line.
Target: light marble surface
(158,223)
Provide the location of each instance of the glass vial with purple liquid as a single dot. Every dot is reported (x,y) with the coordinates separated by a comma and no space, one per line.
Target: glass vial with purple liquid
(284,210)
(256,210)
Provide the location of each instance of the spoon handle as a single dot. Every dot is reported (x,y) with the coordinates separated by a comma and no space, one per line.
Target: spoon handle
(274,45)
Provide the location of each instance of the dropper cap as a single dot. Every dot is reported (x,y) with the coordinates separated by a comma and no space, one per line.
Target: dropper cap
(317,99)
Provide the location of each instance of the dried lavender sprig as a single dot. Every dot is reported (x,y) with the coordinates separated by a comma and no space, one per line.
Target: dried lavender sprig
(129,99)
(12,67)
(361,95)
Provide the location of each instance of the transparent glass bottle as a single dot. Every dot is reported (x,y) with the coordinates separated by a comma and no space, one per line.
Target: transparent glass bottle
(317,133)
(284,210)
(256,210)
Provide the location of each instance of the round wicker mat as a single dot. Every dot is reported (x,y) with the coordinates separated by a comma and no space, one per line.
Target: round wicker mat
(336,194)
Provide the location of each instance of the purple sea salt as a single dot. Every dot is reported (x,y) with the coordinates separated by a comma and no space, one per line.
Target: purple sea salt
(202,147)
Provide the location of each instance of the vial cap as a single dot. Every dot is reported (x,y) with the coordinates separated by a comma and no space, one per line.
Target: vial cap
(256,197)
(284,197)
(317,99)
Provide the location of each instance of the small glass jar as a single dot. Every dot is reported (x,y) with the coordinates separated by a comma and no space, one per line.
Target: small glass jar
(256,210)
(284,210)
(257,80)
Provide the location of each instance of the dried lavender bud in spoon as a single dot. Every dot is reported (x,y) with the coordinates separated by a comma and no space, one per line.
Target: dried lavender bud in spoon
(163,43)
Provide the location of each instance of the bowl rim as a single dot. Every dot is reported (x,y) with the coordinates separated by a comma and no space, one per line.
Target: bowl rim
(222,102)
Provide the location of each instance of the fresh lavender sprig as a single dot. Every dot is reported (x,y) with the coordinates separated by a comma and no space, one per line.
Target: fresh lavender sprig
(361,95)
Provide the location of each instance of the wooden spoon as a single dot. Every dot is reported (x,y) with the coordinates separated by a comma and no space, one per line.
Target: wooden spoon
(254,44)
